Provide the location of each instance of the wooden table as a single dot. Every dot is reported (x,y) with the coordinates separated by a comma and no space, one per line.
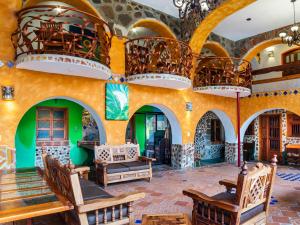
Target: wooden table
(25,195)
(166,219)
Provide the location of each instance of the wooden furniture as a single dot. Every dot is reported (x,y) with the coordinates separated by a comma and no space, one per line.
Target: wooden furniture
(166,219)
(93,205)
(248,205)
(293,154)
(121,163)
(25,195)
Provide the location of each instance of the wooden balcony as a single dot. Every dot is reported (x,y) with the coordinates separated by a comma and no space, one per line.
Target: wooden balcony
(223,76)
(158,62)
(58,39)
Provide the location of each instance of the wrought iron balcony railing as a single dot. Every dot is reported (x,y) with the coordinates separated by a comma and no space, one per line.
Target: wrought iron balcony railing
(158,55)
(51,29)
(222,71)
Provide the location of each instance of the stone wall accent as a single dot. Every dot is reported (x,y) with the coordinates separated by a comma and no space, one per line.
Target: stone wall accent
(121,14)
(182,156)
(228,44)
(90,129)
(62,153)
(244,45)
(204,148)
(231,152)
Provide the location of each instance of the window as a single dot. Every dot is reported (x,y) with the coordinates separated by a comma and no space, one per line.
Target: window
(293,125)
(51,124)
(215,131)
(250,129)
(291,57)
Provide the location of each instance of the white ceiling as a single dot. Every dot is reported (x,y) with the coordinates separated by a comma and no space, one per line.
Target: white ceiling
(266,15)
(165,6)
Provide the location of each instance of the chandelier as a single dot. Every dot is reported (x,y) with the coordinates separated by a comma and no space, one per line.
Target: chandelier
(200,7)
(291,37)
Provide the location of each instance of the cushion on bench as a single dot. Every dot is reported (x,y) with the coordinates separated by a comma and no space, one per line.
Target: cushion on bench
(136,165)
(91,190)
(116,168)
(252,212)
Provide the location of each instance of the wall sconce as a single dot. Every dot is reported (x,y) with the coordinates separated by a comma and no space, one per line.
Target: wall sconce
(8,93)
(189,106)
(270,52)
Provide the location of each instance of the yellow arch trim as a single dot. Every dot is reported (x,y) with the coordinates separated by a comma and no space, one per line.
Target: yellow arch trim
(157,26)
(213,19)
(216,48)
(259,47)
(83,5)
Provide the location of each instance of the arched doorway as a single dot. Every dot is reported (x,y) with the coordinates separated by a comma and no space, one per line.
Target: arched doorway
(155,128)
(268,132)
(60,125)
(209,140)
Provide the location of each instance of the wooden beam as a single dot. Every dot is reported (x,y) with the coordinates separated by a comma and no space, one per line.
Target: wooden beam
(283,68)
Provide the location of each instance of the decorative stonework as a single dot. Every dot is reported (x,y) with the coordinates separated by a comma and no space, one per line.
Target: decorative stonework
(254,138)
(182,156)
(7,158)
(90,129)
(204,148)
(170,80)
(275,93)
(230,152)
(62,153)
(122,14)
(63,64)
(227,91)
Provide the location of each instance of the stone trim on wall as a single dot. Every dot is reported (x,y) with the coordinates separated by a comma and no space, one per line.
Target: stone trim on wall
(182,156)
(62,153)
(7,158)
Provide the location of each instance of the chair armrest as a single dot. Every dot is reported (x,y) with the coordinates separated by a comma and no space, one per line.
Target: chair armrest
(101,163)
(198,196)
(146,159)
(92,205)
(82,171)
(229,184)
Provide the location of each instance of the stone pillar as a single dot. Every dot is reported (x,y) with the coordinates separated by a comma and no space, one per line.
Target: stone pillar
(182,155)
(231,152)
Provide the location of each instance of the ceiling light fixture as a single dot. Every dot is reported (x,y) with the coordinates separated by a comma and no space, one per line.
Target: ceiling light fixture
(291,37)
(202,7)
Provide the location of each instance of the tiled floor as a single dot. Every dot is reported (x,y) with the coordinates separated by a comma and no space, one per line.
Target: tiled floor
(164,193)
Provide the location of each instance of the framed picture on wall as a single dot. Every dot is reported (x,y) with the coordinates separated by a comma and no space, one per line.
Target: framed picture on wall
(116,102)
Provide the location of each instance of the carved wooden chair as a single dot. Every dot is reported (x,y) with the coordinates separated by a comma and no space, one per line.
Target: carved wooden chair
(247,205)
(93,205)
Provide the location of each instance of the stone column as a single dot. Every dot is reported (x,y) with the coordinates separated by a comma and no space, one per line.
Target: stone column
(182,156)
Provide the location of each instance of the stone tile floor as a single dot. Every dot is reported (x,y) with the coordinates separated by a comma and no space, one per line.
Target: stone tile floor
(164,193)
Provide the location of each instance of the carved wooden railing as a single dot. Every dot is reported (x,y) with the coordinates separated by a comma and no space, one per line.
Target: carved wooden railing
(51,29)
(158,55)
(222,71)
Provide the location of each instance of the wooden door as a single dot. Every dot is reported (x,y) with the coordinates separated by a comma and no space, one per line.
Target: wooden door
(270,136)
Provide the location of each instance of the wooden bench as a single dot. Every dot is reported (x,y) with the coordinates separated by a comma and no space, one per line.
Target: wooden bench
(293,154)
(93,205)
(121,163)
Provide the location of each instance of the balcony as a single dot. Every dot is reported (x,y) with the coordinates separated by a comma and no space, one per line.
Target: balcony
(223,76)
(158,62)
(62,40)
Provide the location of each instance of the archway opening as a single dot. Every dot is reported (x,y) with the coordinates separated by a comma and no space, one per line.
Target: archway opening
(271,132)
(209,140)
(155,129)
(64,127)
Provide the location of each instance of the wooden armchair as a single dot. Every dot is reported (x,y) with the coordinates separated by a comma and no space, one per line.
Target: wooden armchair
(248,205)
(93,205)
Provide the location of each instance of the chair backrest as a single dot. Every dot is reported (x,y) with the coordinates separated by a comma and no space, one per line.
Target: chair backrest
(63,179)
(254,186)
(117,153)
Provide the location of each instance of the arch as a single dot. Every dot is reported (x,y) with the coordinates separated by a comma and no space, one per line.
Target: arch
(216,48)
(102,133)
(155,25)
(259,47)
(230,136)
(213,19)
(82,5)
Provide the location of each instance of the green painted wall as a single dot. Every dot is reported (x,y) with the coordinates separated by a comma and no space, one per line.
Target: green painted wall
(26,133)
(140,131)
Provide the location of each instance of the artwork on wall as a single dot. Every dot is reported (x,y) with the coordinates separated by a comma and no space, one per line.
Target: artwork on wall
(116,102)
